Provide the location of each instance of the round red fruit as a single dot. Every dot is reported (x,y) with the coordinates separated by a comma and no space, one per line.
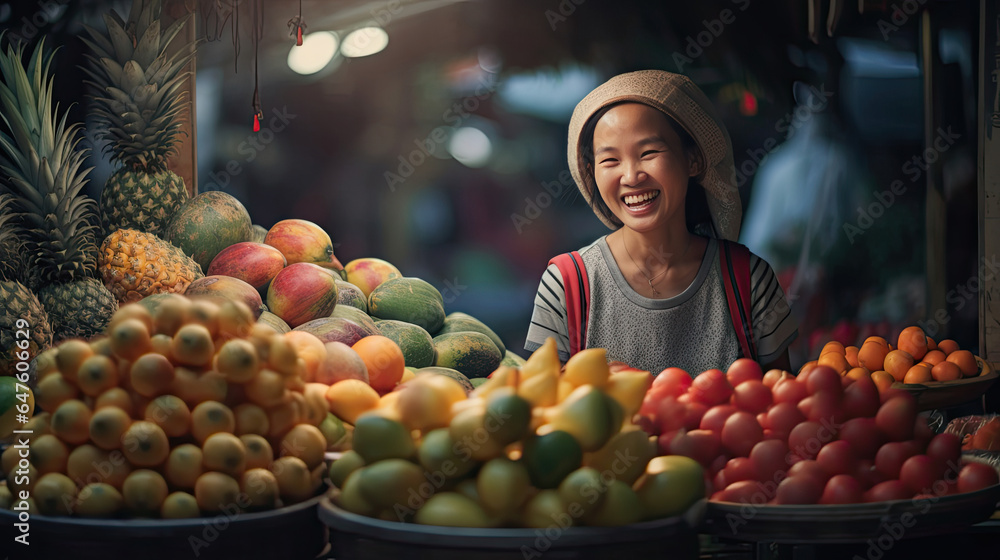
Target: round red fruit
(743,369)
(976,476)
(768,458)
(715,417)
(863,435)
(752,396)
(824,378)
(837,457)
(790,390)
(693,413)
(919,472)
(887,491)
(946,448)
(674,381)
(891,456)
(782,417)
(896,417)
(773,376)
(810,468)
(842,489)
(711,387)
(740,433)
(802,489)
(861,399)
(806,439)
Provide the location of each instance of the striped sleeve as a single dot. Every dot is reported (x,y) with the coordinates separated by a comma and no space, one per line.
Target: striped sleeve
(549,316)
(774,326)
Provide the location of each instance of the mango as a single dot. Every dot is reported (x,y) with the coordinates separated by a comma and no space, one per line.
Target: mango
(437,454)
(550,457)
(582,490)
(625,456)
(377,437)
(452,509)
(621,506)
(340,469)
(502,485)
(541,389)
(349,398)
(672,484)
(388,482)
(542,510)
(589,415)
(543,360)
(629,388)
(588,367)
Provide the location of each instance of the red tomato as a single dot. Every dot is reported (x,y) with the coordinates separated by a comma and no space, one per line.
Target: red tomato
(867,475)
(805,440)
(810,468)
(891,456)
(716,417)
(773,376)
(670,414)
(946,448)
(922,431)
(674,381)
(740,433)
(743,369)
(824,378)
(919,472)
(887,491)
(701,445)
(842,489)
(837,457)
(752,396)
(663,442)
(648,425)
(740,468)
(652,399)
(802,489)
(896,417)
(711,387)
(720,480)
(976,476)
(745,491)
(823,406)
(782,417)
(861,399)
(768,458)
(694,411)
(891,393)
(789,390)
(863,435)
(718,463)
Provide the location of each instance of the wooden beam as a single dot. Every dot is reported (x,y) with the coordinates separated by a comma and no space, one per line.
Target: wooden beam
(185,162)
(989,179)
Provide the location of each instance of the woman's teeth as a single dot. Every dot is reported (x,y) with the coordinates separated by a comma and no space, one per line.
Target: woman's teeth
(635,200)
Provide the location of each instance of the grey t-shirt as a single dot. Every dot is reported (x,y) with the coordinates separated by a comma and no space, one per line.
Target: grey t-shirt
(692,330)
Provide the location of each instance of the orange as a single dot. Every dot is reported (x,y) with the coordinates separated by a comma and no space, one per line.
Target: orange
(931,345)
(918,374)
(308,348)
(160,344)
(48,454)
(132,311)
(184,466)
(169,413)
(259,453)
(211,417)
(251,419)
(237,360)
(835,360)
(851,353)
(934,357)
(947,346)
(965,362)
(879,340)
(832,346)
(97,374)
(858,373)
(305,442)
(102,346)
(946,371)
(261,486)
(872,355)
(205,313)
(266,389)
(170,315)
(130,339)
(71,422)
(282,356)
(145,445)
(224,453)
(71,354)
(108,426)
(913,341)
(151,375)
(179,505)
(235,320)
(897,363)
(144,491)
(294,479)
(385,361)
(806,367)
(282,417)
(53,391)
(215,491)
(192,345)
(87,464)
(116,396)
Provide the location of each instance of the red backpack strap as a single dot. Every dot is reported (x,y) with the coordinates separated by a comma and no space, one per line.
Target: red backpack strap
(577,288)
(734,262)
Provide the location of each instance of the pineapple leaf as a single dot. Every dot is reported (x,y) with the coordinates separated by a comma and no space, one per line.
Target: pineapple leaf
(119,38)
(132,78)
(98,42)
(148,48)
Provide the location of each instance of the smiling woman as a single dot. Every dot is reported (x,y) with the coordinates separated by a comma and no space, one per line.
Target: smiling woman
(651,157)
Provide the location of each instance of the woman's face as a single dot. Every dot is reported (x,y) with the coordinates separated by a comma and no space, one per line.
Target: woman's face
(640,166)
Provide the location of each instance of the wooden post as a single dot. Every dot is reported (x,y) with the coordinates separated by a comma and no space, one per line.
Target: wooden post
(935,211)
(989,179)
(185,161)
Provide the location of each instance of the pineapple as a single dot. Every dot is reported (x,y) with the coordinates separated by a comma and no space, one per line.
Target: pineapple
(135,264)
(16,300)
(41,165)
(137,111)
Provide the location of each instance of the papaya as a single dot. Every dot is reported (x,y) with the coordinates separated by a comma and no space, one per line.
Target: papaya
(463,322)
(471,353)
(358,316)
(415,342)
(207,224)
(349,294)
(408,299)
(465,382)
(511,359)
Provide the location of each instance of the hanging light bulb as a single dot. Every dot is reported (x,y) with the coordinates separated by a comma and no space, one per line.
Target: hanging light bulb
(315,53)
(365,41)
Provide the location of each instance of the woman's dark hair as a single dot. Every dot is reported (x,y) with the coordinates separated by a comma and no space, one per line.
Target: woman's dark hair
(696,210)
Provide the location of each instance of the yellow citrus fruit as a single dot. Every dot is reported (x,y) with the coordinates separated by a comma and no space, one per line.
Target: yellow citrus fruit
(179,505)
(184,466)
(211,417)
(48,454)
(108,426)
(259,454)
(151,375)
(130,339)
(145,444)
(169,413)
(97,374)
(225,453)
(71,422)
(215,491)
(144,491)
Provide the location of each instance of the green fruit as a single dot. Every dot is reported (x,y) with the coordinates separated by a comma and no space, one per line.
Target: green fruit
(333,429)
(477,381)
(544,510)
(511,359)
(207,224)
(259,233)
(465,382)
(451,509)
(502,485)
(389,482)
(513,413)
(672,485)
(415,342)
(273,321)
(582,491)
(471,353)
(625,456)
(356,315)
(551,457)
(350,295)
(471,436)
(350,497)
(589,415)
(377,438)
(437,454)
(469,489)
(408,299)
(620,507)
(340,469)
(463,322)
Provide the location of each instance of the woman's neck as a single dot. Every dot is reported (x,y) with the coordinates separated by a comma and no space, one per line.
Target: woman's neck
(656,250)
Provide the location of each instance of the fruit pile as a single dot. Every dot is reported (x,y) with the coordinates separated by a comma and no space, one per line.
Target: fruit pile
(916,358)
(191,410)
(530,448)
(816,438)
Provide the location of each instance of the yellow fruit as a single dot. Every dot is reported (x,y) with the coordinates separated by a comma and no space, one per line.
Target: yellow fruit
(55,494)
(350,497)
(53,391)
(672,484)
(237,360)
(281,418)
(629,388)
(88,464)
(132,311)
(184,466)
(48,454)
(564,389)
(266,388)
(235,320)
(24,480)
(633,444)
(543,509)
(261,488)
(251,419)
(170,315)
(144,491)
(130,339)
(9,460)
(502,485)
(588,367)
(348,462)
(211,417)
(40,424)
(99,500)
(294,479)
(117,397)
(583,490)
(108,426)
(350,398)
(504,376)
(192,344)
(145,444)
(545,360)
(308,348)
(621,506)
(305,442)
(258,451)
(423,406)
(315,405)
(471,436)
(71,354)
(179,505)
(160,344)
(169,413)
(71,422)
(452,509)
(205,313)
(151,375)
(541,389)
(97,374)
(225,453)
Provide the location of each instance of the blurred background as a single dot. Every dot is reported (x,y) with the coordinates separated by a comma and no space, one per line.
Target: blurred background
(432,134)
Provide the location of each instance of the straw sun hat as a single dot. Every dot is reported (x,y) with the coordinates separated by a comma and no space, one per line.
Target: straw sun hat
(680,99)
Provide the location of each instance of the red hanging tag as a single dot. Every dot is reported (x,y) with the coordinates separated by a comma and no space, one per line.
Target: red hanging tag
(256,122)
(298,36)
